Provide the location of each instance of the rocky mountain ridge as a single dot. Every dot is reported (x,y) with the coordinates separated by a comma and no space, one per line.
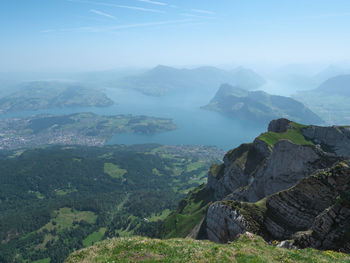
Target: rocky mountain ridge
(291,184)
(314,213)
(266,166)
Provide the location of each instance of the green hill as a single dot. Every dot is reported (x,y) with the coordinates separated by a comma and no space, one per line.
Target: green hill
(247,249)
(38,95)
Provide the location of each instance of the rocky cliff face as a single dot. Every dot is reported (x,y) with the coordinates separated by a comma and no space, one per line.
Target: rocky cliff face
(233,221)
(284,188)
(253,171)
(313,213)
(333,139)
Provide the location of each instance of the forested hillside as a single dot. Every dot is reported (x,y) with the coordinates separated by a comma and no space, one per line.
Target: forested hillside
(56,200)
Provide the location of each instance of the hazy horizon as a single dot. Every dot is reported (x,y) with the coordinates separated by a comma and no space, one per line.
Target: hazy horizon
(84,35)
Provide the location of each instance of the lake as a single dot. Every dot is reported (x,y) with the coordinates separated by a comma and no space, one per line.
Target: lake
(195,126)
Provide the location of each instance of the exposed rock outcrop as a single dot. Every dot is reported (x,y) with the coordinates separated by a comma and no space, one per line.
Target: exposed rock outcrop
(288,169)
(332,139)
(253,171)
(314,213)
(280,125)
(221,215)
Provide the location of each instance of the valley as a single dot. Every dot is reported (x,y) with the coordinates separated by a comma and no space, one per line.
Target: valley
(59,199)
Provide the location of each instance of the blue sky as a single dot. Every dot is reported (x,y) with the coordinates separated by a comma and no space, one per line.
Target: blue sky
(78,35)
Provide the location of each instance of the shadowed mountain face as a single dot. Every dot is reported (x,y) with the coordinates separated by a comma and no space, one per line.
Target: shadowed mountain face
(163,79)
(259,106)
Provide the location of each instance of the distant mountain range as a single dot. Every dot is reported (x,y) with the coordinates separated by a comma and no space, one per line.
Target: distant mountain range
(162,79)
(38,95)
(339,85)
(330,100)
(259,106)
(330,72)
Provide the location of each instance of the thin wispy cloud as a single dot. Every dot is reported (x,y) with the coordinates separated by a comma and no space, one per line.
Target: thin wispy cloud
(196,16)
(100,29)
(100,13)
(137,8)
(153,2)
(201,11)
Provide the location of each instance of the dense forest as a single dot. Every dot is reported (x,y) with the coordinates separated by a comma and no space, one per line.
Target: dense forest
(59,199)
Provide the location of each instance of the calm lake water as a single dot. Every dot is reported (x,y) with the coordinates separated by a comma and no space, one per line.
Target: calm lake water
(195,126)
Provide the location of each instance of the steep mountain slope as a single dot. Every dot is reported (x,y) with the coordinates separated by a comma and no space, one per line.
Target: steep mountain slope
(314,213)
(330,100)
(162,79)
(304,162)
(259,106)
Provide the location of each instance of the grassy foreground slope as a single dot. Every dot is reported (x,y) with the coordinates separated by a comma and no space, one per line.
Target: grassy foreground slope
(245,249)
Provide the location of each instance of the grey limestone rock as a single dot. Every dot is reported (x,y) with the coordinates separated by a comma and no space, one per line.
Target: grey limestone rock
(305,200)
(224,223)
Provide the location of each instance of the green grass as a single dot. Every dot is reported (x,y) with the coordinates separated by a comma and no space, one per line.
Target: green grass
(155,171)
(194,166)
(294,135)
(64,218)
(161,216)
(39,195)
(181,222)
(247,249)
(114,171)
(94,237)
